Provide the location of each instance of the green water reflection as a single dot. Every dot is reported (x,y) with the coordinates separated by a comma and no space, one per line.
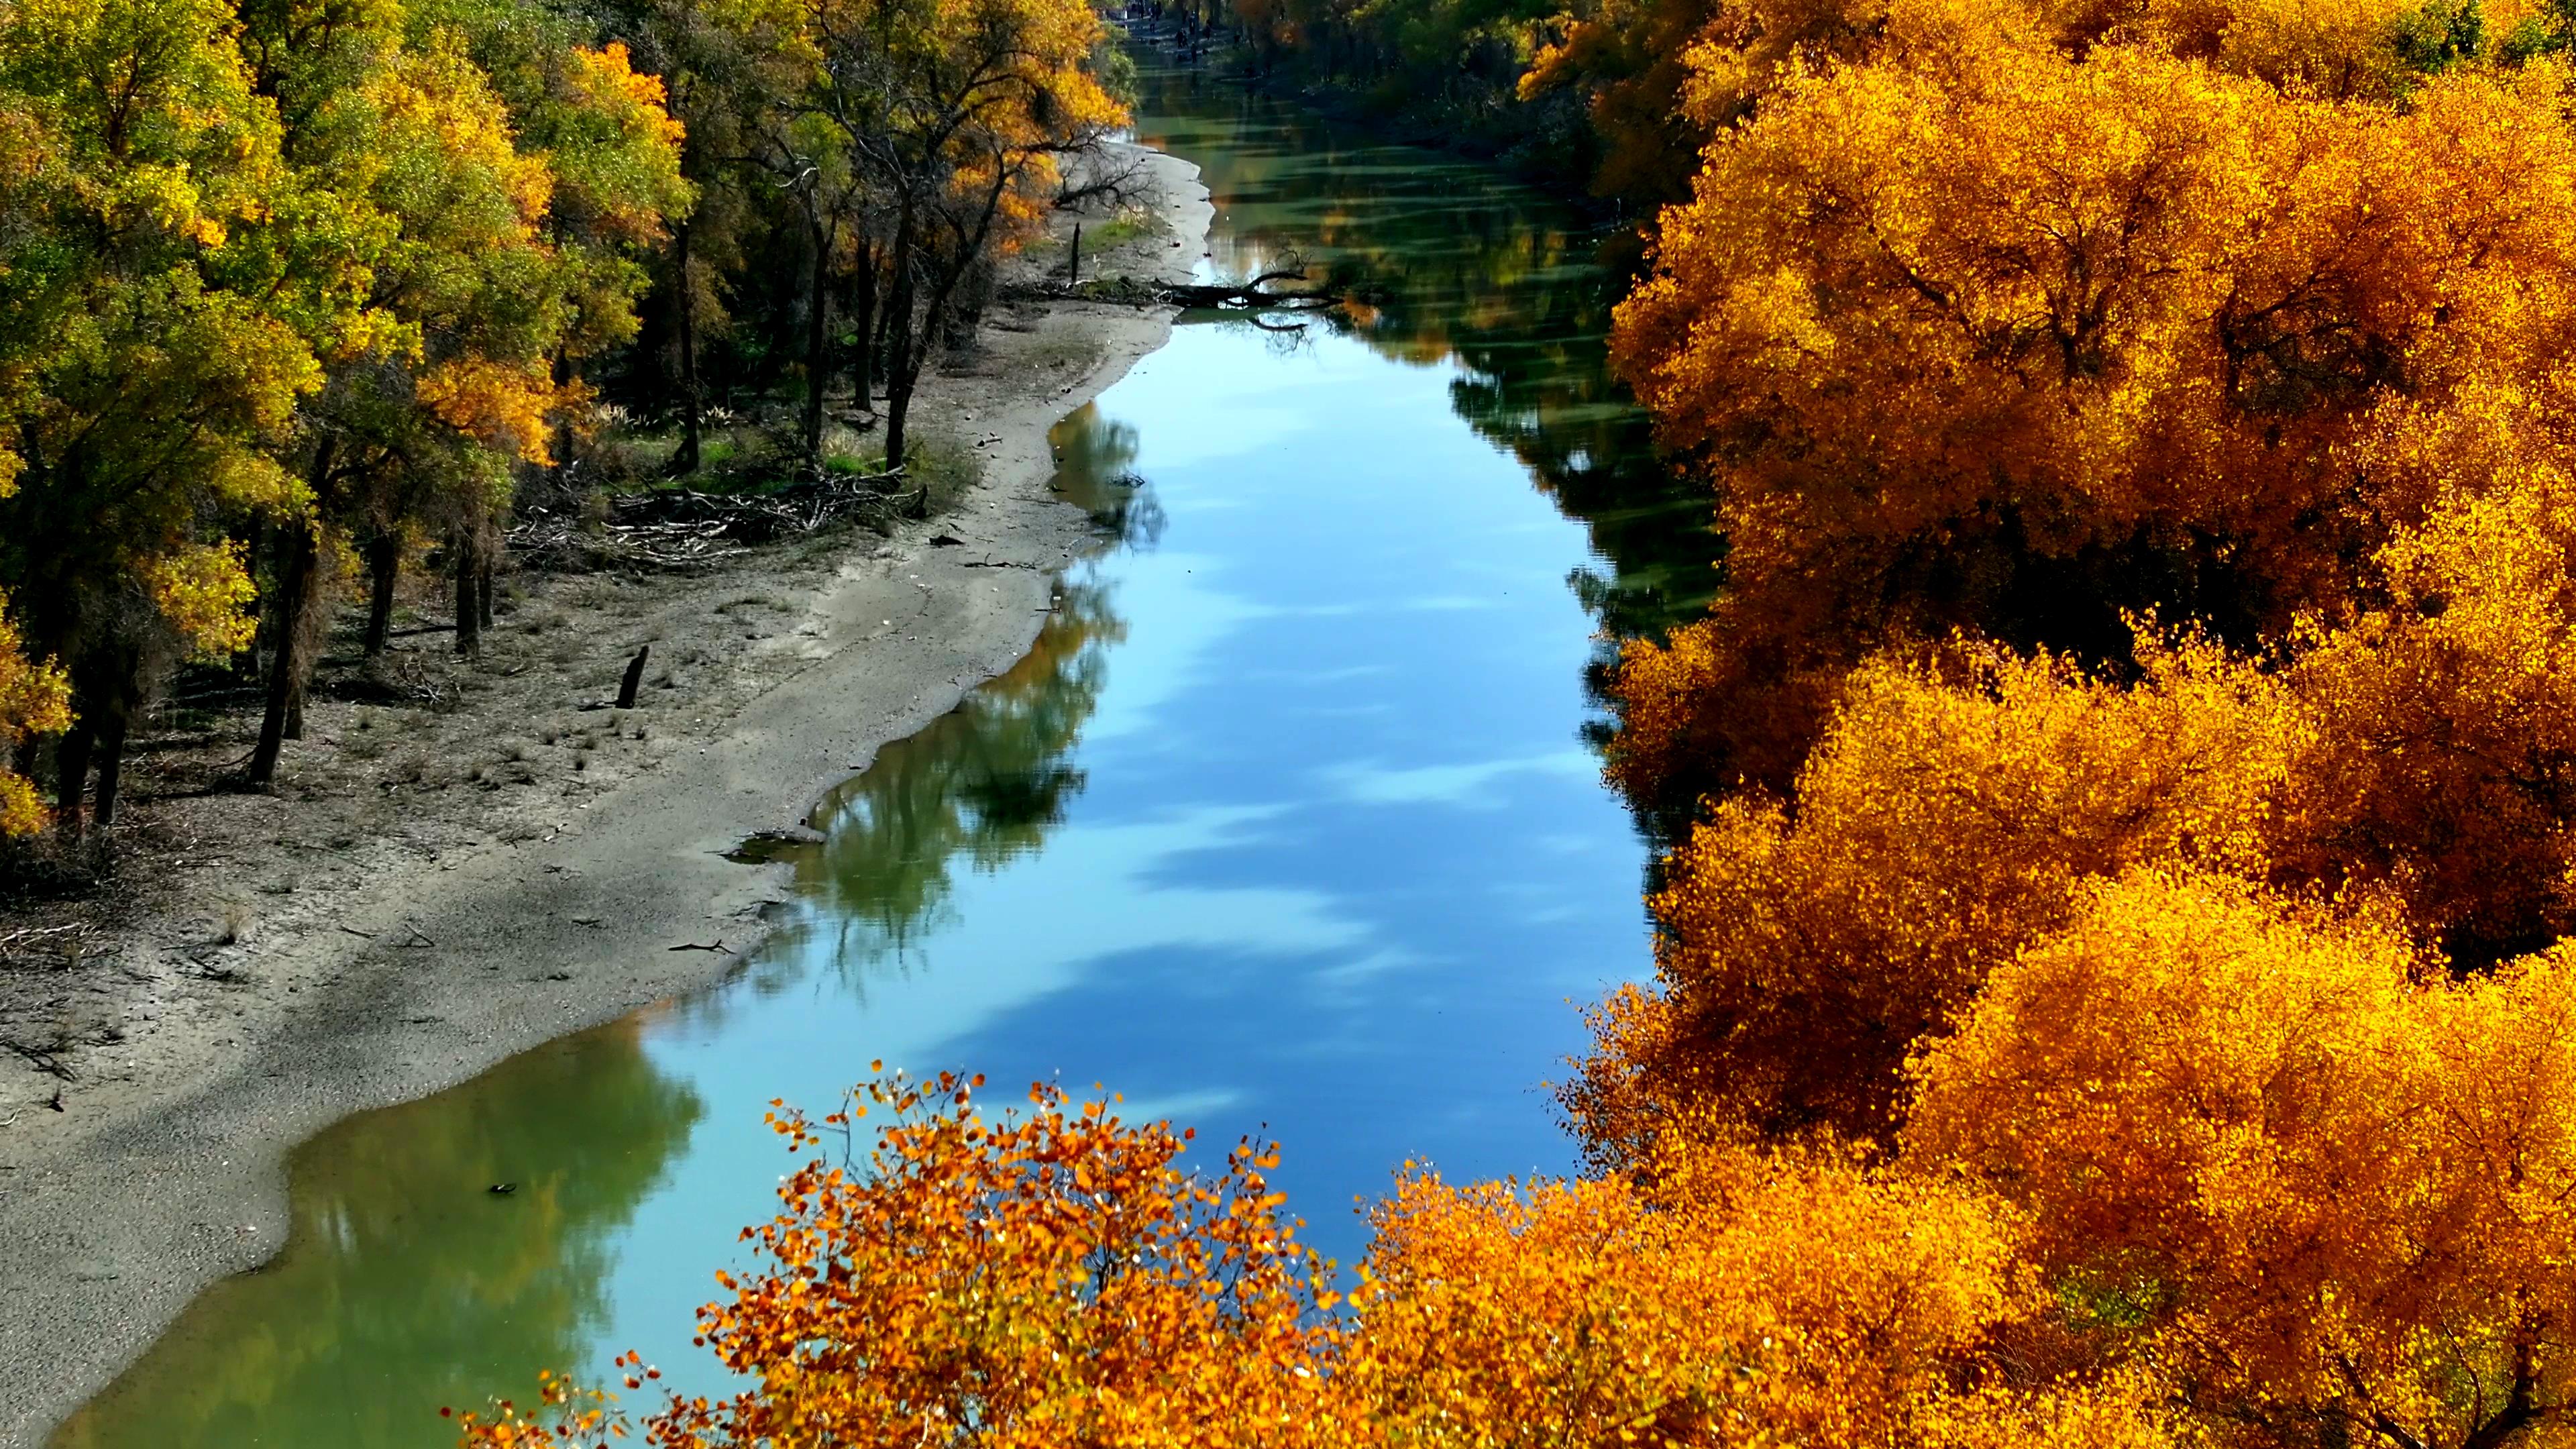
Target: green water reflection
(340,1341)
(982,784)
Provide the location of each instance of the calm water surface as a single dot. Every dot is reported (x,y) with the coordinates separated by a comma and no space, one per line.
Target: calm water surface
(1286,824)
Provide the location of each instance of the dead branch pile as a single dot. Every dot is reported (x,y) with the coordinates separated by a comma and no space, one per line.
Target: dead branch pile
(682,528)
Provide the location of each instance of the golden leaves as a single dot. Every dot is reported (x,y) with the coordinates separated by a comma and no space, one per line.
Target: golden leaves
(1974,322)
(1054,1277)
(618,146)
(1049,1276)
(35,699)
(205,592)
(2310,1165)
(1941,820)
(503,405)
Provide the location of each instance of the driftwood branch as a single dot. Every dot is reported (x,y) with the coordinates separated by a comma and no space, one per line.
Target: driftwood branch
(1103,185)
(1254,294)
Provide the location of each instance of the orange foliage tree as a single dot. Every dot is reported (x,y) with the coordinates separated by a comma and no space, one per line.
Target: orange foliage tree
(1756,1299)
(1053,1277)
(1943,819)
(1979,334)
(2279,1154)
(2411,743)
(1047,1277)
(2444,763)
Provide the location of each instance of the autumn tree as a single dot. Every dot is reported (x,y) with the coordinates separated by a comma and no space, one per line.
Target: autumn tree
(493,264)
(417,143)
(169,287)
(2442,768)
(958,114)
(1980,334)
(1048,1276)
(1943,819)
(612,151)
(807,158)
(2275,1151)
(1760,1299)
(729,69)
(34,700)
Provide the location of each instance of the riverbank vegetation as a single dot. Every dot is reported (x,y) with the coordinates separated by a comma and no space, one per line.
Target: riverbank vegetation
(2113,983)
(298,297)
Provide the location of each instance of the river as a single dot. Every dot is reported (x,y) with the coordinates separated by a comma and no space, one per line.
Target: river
(1288,824)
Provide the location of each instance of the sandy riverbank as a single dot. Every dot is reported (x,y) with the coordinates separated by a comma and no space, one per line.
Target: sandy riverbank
(320,961)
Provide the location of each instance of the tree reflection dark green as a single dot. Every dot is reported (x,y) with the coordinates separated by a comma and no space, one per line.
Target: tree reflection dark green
(407,1283)
(1095,470)
(982,784)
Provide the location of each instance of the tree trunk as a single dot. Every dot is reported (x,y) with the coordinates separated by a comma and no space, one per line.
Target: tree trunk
(299,625)
(882,347)
(818,339)
(901,365)
(565,375)
(111,757)
(469,612)
(299,574)
(384,571)
(483,589)
(71,775)
(864,325)
(686,461)
(263,639)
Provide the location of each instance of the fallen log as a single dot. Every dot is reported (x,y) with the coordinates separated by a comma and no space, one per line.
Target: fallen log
(1254,295)
(1251,295)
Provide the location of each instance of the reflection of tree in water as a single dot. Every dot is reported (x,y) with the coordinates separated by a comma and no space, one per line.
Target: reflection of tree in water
(982,784)
(407,1284)
(1095,471)
(1451,263)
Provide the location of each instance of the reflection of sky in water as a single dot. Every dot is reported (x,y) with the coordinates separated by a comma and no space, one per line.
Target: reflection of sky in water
(1340,866)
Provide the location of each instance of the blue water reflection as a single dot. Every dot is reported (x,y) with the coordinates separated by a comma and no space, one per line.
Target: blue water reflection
(1338,866)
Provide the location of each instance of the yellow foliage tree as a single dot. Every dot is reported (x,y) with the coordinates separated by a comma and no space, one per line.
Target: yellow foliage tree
(956,113)
(2444,762)
(1054,1278)
(1943,820)
(1759,1300)
(169,284)
(1979,334)
(35,699)
(2280,1155)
